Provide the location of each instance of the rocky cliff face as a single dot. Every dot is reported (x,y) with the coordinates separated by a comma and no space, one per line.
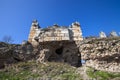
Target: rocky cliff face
(101,54)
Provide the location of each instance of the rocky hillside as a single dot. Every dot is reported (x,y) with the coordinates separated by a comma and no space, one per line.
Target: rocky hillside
(101,54)
(53,60)
(31,70)
(13,53)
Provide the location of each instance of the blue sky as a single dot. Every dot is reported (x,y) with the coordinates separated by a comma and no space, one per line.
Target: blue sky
(94,16)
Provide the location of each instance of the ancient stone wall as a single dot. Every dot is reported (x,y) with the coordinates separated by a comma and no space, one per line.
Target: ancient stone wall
(60,51)
(34,30)
(54,33)
(102,54)
(54,51)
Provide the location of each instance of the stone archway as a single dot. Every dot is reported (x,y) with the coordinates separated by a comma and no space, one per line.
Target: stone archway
(67,52)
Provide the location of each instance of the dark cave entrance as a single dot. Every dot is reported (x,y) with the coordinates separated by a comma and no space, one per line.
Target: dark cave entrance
(59,51)
(57,55)
(65,53)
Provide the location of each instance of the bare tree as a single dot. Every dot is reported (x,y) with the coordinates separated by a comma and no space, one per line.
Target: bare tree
(7,39)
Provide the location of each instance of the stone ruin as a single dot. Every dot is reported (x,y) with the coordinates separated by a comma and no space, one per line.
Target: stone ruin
(113,34)
(57,43)
(102,34)
(64,44)
(63,51)
(55,33)
(101,54)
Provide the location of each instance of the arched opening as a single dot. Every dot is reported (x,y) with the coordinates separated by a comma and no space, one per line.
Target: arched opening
(59,51)
(2,66)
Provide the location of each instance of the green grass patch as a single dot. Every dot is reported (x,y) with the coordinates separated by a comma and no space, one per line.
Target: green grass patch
(70,76)
(101,75)
(32,70)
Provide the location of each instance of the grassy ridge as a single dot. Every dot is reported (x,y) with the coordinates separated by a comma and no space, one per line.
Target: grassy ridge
(32,70)
(50,71)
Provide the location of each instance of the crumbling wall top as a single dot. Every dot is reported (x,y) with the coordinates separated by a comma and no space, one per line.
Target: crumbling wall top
(35,23)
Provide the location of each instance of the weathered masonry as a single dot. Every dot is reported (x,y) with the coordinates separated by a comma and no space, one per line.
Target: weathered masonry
(55,33)
(57,43)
